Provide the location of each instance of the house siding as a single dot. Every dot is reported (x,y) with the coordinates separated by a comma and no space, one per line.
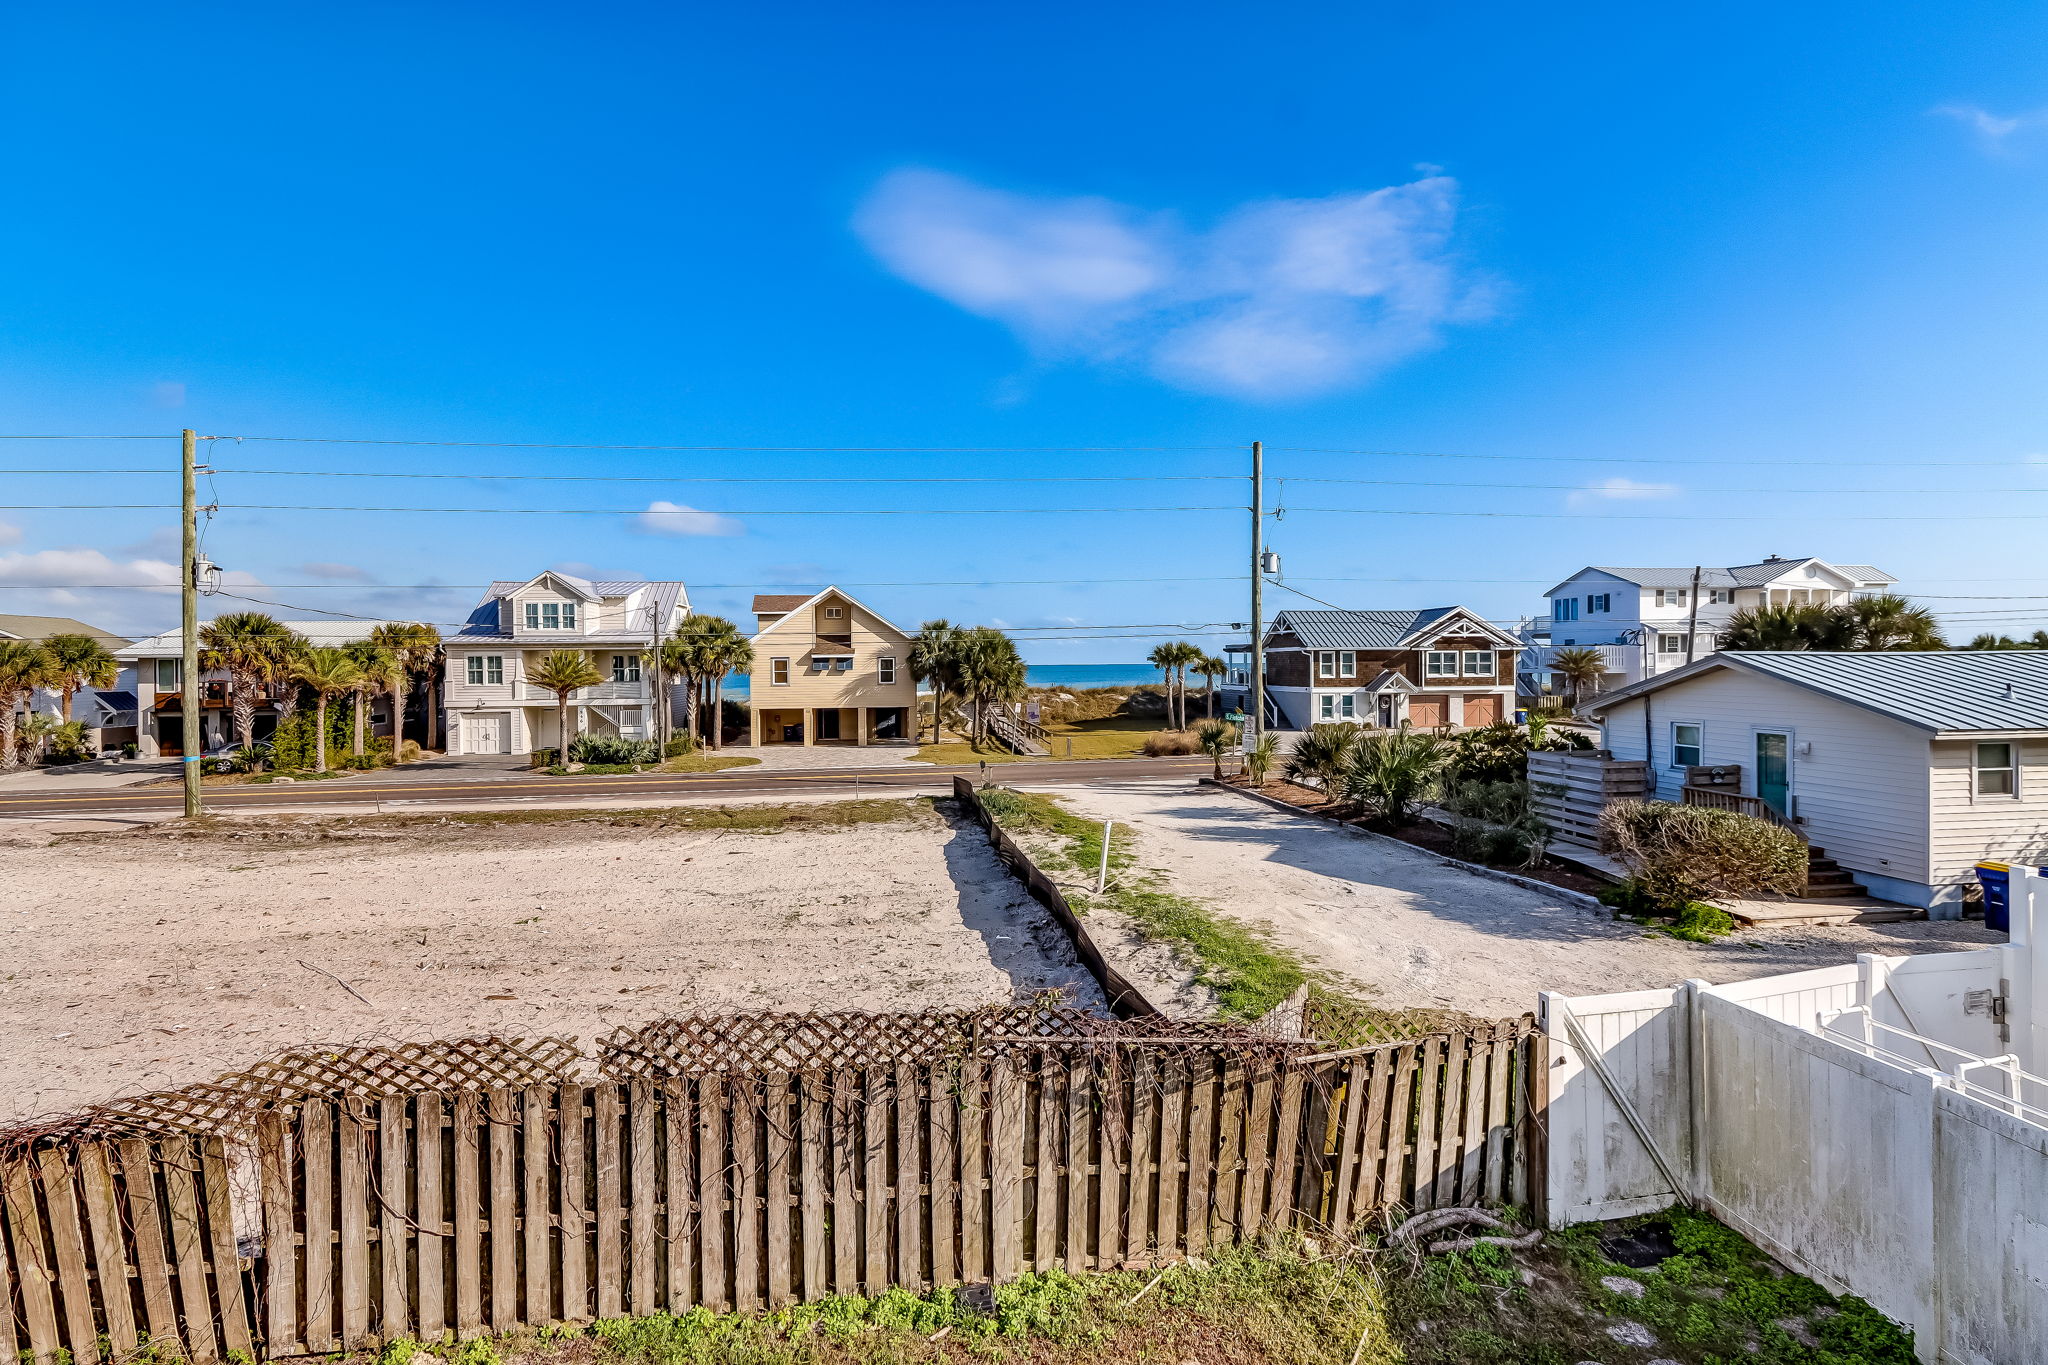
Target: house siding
(1861,793)
(792,637)
(1968,829)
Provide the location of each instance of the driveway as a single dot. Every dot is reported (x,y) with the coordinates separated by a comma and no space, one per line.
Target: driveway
(1417,931)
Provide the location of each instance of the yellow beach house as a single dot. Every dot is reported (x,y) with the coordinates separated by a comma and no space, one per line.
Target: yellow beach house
(828,670)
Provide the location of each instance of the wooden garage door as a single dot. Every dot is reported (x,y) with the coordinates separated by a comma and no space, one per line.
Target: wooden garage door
(1482,710)
(1426,713)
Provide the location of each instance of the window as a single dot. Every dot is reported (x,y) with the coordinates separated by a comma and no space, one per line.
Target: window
(1441,663)
(551,616)
(1326,663)
(1685,744)
(1720,597)
(1564,608)
(1671,644)
(1329,706)
(834,613)
(1996,775)
(1671,597)
(778,672)
(1479,663)
(885,670)
(486,668)
(1346,707)
(1347,663)
(170,674)
(1599,601)
(625,668)
(843,664)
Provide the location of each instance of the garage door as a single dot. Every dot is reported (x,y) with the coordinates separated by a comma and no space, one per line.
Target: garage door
(1482,710)
(1426,713)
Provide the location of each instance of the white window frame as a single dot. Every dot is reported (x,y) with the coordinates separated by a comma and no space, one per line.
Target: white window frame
(1492,658)
(1599,602)
(834,613)
(1347,707)
(1326,663)
(1720,597)
(1347,663)
(1671,597)
(564,614)
(1329,707)
(625,668)
(486,670)
(1670,644)
(778,672)
(174,669)
(885,669)
(1440,663)
(1698,746)
(2011,767)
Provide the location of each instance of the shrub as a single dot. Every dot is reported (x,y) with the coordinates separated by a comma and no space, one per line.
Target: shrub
(1258,759)
(71,743)
(1677,854)
(250,758)
(1216,738)
(1495,753)
(545,758)
(612,750)
(1320,755)
(678,746)
(1390,774)
(409,752)
(1170,743)
(292,743)
(1496,822)
(130,749)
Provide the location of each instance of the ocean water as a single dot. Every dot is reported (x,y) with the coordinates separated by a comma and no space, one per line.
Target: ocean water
(1048,675)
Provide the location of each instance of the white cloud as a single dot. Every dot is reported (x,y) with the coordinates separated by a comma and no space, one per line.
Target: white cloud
(674,519)
(9,535)
(1619,490)
(1994,131)
(1280,299)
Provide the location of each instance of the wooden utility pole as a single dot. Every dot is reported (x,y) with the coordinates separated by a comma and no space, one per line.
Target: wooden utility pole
(1692,624)
(188,692)
(1256,725)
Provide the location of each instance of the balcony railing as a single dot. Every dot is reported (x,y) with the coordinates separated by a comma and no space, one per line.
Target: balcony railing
(604,691)
(1713,798)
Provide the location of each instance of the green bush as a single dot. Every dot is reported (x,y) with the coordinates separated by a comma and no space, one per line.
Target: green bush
(678,746)
(1495,822)
(1320,754)
(71,743)
(1495,753)
(1391,773)
(1679,854)
(612,749)
(604,769)
(545,758)
(292,743)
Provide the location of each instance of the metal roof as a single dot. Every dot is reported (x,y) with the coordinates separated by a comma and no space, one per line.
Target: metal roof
(1940,690)
(1366,629)
(483,622)
(326,633)
(1737,576)
(43,627)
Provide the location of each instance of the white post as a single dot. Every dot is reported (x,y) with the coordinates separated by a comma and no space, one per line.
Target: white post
(2028,1019)
(1102,873)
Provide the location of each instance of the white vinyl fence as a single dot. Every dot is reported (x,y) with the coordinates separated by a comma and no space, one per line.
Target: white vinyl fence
(1843,1119)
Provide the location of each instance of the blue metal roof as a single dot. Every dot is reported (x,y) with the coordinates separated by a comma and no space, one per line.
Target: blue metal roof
(1941,690)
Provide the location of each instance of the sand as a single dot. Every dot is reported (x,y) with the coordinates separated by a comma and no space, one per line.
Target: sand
(1415,931)
(132,963)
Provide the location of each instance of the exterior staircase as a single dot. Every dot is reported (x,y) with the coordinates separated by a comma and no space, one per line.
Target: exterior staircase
(1018,736)
(1825,878)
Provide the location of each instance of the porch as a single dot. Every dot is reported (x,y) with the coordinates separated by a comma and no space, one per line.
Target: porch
(845,726)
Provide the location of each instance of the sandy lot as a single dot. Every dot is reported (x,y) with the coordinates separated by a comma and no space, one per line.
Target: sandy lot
(1417,932)
(132,963)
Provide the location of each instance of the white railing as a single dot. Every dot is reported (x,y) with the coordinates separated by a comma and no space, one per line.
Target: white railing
(2014,1096)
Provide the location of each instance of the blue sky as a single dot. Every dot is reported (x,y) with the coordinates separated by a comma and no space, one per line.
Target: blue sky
(1660,258)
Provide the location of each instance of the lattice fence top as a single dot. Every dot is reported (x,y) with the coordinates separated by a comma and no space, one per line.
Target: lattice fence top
(230,1102)
(1337,1023)
(771,1042)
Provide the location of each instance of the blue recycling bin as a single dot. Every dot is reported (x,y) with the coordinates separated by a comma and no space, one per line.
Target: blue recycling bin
(1996,879)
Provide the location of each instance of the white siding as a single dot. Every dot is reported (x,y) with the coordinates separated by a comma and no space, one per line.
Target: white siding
(1969,828)
(1861,792)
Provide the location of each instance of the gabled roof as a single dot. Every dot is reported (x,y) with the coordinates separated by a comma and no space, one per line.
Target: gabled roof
(1738,576)
(776,603)
(1379,629)
(1943,691)
(483,624)
(1390,680)
(169,643)
(820,595)
(43,627)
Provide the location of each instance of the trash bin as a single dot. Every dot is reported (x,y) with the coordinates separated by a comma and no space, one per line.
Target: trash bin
(1996,879)
(1521,717)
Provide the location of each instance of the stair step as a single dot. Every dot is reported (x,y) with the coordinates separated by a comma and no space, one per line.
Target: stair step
(1835,878)
(1815,893)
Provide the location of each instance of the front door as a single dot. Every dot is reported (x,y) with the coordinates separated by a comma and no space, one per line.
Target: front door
(486,735)
(1389,709)
(1773,770)
(828,723)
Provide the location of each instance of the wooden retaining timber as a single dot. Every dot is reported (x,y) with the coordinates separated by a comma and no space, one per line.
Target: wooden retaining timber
(433,1214)
(1570,789)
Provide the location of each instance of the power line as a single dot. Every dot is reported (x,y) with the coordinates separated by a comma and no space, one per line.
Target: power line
(1749,463)
(756,450)
(699,478)
(723,512)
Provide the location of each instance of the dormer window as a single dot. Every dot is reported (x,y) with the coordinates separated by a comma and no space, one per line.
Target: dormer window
(551,616)
(834,613)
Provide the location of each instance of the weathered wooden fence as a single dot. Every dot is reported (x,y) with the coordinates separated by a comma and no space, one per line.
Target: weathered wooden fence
(362,1220)
(1570,789)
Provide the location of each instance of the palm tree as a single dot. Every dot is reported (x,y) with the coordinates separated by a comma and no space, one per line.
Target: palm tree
(677,663)
(1165,658)
(24,667)
(78,661)
(2038,640)
(413,647)
(329,673)
(375,671)
(1888,621)
(38,728)
(934,658)
(562,671)
(430,658)
(252,649)
(1258,759)
(1211,668)
(991,671)
(1216,736)
(725,650)
(1319,756)
(1393,770)
(1580,668)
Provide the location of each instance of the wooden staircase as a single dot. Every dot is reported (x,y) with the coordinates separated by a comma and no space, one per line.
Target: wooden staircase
(1019,736)
(1826,879)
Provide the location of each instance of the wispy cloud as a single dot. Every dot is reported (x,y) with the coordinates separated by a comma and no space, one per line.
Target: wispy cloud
(1995,132)
(9,535)
(1619,490)
(674,519)
(1280,299)
(336,573)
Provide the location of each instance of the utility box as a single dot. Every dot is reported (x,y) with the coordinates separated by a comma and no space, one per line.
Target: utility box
(1722,776)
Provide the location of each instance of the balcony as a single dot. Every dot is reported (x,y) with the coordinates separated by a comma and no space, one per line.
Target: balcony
(1620,658)
(526,692)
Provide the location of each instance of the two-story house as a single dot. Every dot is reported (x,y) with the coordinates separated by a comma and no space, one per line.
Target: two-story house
(109,712)
(828,670)
(491,704)
(1650,621)
(159,664)
(1439,666)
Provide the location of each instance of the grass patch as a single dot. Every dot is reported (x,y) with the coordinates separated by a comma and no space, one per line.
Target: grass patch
(764,819)
(1107,737)
(704,763)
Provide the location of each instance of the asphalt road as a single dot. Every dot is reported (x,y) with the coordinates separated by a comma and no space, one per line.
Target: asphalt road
(731,782)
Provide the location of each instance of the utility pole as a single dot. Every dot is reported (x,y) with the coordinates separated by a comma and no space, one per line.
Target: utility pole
(188,697)
(1692,624)
(1256,725)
